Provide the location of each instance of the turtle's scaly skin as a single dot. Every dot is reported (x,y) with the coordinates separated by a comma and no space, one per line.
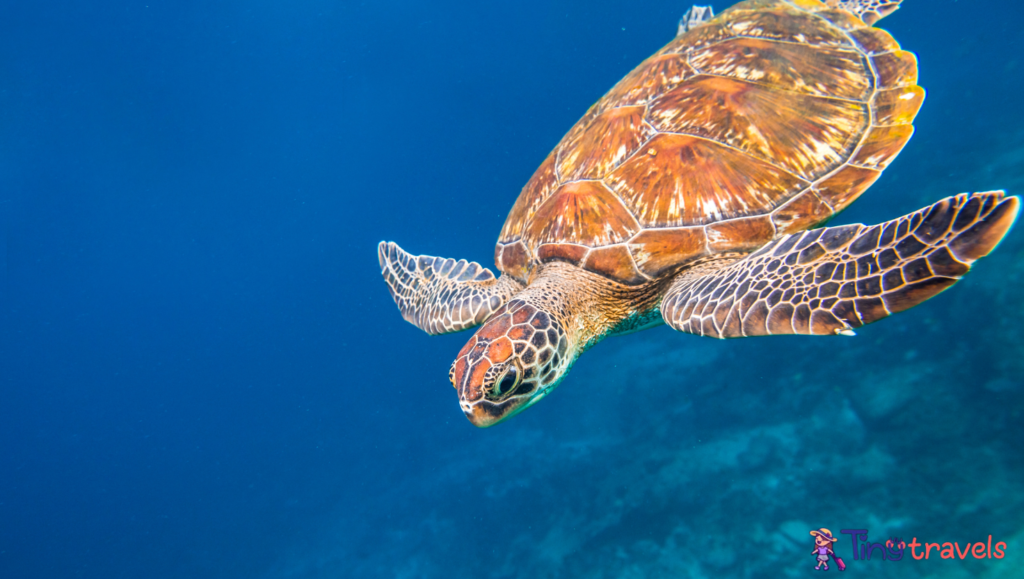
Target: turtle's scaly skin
(682,198)
(442,295)
(828,281)
(870,11)
(766,120)
(541,332)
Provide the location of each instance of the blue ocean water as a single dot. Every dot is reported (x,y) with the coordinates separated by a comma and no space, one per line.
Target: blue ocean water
(203,375)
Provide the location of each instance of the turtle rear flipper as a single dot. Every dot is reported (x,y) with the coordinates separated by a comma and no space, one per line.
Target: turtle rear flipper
(831,280)
(441,295)
(870,11)
(694,17)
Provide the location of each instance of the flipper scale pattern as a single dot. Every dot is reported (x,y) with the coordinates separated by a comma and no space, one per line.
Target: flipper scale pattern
(870,11)
(829,281)
(441,295)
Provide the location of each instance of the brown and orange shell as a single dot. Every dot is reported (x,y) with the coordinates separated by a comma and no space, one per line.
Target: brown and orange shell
(766,120)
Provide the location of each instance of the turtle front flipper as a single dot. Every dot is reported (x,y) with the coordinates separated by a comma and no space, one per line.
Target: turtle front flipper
(441,295)
(831,280)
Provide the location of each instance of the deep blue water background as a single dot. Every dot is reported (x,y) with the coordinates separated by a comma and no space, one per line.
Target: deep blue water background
(201,371)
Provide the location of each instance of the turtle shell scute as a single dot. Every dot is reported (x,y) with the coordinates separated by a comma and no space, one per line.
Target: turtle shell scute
(764,121)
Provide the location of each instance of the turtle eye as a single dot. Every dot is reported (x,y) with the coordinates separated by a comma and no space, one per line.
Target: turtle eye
(507,382)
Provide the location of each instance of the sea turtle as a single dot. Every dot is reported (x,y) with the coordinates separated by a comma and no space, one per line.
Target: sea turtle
(690,195)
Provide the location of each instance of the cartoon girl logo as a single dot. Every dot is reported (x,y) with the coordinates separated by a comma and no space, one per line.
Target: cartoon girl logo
(823,549)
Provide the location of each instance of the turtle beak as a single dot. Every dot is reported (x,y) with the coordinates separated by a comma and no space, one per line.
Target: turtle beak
(482,414)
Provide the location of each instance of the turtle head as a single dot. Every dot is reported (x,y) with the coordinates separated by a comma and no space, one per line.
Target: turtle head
(517,357)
